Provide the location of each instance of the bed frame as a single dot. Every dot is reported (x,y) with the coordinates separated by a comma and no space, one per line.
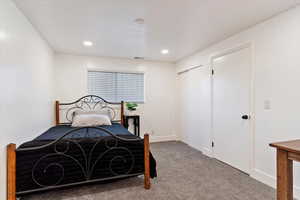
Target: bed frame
(63,114)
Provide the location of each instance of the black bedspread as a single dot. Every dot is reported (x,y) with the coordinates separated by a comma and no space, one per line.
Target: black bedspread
(58,131)
(84,155)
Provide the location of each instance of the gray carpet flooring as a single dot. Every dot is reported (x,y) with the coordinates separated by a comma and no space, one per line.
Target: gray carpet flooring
(183,174)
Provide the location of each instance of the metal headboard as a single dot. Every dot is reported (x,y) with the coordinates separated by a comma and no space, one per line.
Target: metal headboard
(64,111)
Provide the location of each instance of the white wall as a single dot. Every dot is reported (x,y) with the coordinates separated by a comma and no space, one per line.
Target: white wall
(194,108)
(25,82)
(276,69)
(157,113)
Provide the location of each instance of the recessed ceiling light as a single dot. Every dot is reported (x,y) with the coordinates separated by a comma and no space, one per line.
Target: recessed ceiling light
(164,51)
(87,43)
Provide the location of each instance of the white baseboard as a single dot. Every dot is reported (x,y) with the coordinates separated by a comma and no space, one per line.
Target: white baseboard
(206,151)
(271,181)
(263,177)
(163,138)
(255,173)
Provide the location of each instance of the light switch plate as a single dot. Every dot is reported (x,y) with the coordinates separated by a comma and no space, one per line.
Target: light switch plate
(267,105)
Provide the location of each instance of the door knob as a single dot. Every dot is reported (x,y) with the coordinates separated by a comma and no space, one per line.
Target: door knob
(245,117)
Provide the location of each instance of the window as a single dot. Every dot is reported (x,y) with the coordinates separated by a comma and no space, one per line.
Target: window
(116,86)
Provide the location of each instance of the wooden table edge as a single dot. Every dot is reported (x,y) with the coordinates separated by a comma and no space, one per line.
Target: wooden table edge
(285,146)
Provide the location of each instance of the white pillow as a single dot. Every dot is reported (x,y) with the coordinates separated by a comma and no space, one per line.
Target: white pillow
(90,118)
(102,111)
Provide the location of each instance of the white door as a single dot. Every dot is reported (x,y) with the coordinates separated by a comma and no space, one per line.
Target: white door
(231,107)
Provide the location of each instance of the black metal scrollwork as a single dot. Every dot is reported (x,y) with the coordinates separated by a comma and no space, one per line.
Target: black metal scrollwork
(89,103)
(86,160)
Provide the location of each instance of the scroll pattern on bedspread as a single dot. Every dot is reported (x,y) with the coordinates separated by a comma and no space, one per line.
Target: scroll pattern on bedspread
(68,160)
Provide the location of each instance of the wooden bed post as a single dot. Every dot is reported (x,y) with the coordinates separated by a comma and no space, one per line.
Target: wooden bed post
(122,113)
(11,172)
(57,112)
(147,162)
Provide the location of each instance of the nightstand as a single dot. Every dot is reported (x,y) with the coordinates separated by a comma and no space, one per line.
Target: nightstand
(136,123)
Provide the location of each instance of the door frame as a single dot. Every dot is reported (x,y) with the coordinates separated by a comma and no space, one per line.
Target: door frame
(251,100)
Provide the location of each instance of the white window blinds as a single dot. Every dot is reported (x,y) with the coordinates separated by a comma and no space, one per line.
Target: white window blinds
(117,86)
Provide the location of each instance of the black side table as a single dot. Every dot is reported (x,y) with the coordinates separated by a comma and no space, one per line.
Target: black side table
(136,123)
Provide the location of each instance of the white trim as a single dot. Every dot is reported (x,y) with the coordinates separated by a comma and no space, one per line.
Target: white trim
(230,50)
(271,180)
(166,138)
(189,69)
(204,150)
(100,69)
(252,112)
(263,177)
(252,107)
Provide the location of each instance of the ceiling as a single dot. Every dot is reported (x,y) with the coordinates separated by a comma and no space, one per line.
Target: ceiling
(182,26)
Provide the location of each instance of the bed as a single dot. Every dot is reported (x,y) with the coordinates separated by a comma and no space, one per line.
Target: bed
(65,156)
